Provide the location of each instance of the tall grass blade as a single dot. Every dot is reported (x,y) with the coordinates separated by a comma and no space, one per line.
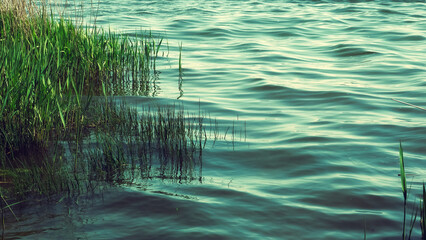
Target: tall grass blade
(402,171)
(60,113)
(9,205)
(423,213)
(404,184)
(180,59)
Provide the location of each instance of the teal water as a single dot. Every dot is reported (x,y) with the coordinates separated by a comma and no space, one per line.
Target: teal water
(312,83)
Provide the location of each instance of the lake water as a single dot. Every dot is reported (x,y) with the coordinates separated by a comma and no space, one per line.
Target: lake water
(308,86)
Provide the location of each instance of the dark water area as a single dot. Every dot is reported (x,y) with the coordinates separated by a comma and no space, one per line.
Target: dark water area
(311,83)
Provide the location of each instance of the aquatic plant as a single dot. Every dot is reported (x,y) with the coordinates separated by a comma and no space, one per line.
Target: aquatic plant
(48,65)
(180,60)
(62,131)
(164,138)
(423,212)
(402,171)
(404,185)
(405,191)
(415,210)
(50,69)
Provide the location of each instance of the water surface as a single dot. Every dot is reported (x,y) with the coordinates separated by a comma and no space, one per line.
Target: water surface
(313,82)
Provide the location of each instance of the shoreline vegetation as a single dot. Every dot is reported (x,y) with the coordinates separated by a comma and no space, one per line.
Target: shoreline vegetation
(418,210)
(61,131)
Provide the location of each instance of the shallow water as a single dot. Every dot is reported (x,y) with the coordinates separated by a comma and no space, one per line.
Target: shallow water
(311,83)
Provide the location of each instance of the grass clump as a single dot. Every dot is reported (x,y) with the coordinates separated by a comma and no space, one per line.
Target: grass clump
(161,142)
(423,212)
(414,212)
(50,70)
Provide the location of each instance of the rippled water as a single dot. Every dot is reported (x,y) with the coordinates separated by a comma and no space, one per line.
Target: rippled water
(313,82)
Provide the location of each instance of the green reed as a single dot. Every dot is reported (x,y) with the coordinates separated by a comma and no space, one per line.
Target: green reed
(49,71)
(47,66)
(423,212)
(422,206)
(180,60)
(164,138)
(404,185)
(60,129)
(415,210)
